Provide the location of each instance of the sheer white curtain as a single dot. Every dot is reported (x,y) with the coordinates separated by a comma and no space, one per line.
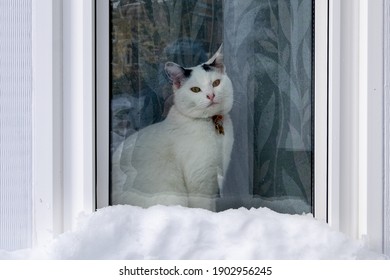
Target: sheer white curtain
(268,54)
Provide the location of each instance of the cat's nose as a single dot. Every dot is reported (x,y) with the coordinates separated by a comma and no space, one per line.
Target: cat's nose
(211,96)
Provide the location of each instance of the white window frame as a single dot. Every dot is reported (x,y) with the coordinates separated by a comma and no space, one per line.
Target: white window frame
(321,110)
(63,115)
(47,120)
(102,101)
(356,119)
(64,118)
(371,123)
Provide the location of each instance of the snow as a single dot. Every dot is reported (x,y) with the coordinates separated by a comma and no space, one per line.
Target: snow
(174,232)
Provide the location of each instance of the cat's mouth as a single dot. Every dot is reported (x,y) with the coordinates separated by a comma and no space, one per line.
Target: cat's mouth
(213,103)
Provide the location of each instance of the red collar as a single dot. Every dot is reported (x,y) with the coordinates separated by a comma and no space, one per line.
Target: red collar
(218,123)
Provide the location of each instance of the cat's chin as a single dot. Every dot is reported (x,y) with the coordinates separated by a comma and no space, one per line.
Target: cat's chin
(213,104)
(202,113)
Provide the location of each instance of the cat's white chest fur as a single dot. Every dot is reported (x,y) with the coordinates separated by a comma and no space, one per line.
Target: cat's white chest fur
(203,152)
(182,160)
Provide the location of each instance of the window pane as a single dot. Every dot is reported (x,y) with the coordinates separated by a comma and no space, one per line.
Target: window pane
(268,50)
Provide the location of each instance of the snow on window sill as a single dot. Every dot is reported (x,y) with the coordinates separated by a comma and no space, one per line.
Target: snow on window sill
(173,232)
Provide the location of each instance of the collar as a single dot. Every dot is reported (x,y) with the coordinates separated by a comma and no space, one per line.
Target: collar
(218,124)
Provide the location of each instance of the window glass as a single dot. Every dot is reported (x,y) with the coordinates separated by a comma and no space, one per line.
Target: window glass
(268,56)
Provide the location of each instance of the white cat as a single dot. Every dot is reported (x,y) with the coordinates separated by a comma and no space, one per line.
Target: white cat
(181,160)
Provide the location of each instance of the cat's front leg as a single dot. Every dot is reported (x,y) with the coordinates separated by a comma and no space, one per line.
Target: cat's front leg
(201,180)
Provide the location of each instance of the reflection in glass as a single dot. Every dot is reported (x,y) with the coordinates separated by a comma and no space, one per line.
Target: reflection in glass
(268,56)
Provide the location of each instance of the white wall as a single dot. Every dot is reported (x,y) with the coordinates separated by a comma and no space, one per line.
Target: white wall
(15,124)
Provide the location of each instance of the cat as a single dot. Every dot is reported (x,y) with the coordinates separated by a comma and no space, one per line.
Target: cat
(183,159)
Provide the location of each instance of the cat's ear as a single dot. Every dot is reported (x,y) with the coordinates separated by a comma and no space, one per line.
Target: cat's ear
(177,74)
(216,61)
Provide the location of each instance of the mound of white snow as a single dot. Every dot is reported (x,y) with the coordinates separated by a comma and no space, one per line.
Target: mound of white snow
(160,232)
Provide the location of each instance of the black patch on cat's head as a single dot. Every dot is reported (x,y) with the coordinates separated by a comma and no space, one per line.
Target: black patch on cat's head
(187,72)
(214,64)
(206,67)
(211,66)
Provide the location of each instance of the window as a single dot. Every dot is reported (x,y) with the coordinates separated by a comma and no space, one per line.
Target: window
(65,103)
(269,55)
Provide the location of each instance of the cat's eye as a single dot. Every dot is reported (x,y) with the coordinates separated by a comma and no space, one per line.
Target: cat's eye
(216,83)
(195,89)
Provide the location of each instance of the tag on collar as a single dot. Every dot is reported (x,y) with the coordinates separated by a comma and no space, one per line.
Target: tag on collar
(218,123)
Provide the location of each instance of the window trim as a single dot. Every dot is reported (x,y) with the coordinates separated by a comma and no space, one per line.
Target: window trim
(63,115)
(78,110)
(371,146)
(47,120)
(334,73)
(102,87)
(356,120)
(60,195)
(321,111)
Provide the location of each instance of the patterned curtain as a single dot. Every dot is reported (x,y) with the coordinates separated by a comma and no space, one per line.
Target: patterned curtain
(269,47)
